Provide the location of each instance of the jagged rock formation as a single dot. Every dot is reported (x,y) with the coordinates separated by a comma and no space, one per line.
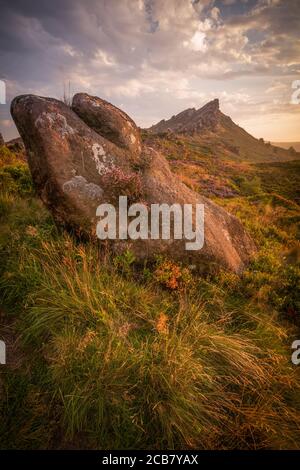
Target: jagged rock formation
(210,127)
(191,120)
(81,159)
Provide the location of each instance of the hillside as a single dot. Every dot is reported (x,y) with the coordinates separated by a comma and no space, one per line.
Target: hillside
(212,175)
(103,353)
(212,130)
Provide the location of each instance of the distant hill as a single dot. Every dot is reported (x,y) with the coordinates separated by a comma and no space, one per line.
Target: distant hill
(287,145)
(210,128)
(191,120)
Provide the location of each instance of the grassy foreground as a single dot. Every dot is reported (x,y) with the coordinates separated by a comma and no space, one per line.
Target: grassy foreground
(106,354)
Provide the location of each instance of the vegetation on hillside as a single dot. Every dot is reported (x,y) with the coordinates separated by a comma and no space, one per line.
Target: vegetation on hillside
(210,169)
(103,353)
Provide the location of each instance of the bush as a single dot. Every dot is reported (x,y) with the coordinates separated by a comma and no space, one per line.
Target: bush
(118,183)
(172,275)
(251,186)
(16,179)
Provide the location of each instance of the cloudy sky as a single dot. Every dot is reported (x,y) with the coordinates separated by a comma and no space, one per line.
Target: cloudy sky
(155,58)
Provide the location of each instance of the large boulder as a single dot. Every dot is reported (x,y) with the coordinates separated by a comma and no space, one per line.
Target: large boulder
(67,159)
(81,159)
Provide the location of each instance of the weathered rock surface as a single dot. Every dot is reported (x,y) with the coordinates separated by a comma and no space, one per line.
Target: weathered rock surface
(108,121)
(67,159)
(77,164)
(1,139)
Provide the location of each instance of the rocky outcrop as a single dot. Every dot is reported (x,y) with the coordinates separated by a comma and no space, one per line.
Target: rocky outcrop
(1,139)
(211,129)
(81,159)
(67,159)
(191,120)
